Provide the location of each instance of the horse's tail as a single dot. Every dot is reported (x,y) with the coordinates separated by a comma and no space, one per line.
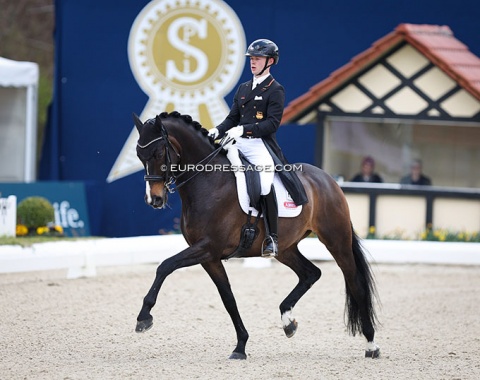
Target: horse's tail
(365,288)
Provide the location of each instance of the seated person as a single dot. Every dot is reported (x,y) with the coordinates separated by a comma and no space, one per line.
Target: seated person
(416,176)
(367,172)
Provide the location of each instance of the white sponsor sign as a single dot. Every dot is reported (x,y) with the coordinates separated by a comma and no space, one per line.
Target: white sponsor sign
(8,216)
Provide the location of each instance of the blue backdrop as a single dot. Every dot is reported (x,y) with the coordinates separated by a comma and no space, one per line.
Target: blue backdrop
(95,91)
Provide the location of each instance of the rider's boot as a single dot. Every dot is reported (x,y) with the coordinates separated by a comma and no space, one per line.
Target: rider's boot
(270,216)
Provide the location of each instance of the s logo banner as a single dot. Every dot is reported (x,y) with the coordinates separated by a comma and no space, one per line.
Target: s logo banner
(186,55)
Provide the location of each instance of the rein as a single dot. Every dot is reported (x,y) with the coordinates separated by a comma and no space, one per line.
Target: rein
(224,141)
(168,177)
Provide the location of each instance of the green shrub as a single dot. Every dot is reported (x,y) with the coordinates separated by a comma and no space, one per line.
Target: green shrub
(34,212)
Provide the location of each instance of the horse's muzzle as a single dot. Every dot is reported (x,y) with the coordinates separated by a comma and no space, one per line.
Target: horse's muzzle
(156,202)
(155,195)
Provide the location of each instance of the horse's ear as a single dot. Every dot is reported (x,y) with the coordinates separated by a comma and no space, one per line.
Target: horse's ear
(138,122)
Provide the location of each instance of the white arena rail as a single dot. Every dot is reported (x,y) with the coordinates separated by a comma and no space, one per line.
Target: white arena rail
(81,257)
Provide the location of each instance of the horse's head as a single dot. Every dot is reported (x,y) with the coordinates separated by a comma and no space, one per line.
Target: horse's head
(157,154)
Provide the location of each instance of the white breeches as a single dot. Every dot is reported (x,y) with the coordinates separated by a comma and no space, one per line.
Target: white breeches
(257,154)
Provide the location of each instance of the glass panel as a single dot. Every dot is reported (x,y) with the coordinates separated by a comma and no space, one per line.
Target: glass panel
(450,153)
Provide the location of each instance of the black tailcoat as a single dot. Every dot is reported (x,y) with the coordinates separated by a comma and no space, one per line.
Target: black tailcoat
(260,112)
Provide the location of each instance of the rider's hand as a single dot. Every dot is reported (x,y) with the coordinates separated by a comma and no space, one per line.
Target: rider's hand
(235,132)
(213,133)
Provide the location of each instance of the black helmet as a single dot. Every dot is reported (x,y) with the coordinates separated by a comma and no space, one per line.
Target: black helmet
(263,48)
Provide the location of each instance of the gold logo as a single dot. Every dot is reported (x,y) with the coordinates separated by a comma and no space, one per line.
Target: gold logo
(186,55)
(259,115)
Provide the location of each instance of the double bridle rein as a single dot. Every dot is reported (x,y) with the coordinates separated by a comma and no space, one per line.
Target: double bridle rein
(168,177)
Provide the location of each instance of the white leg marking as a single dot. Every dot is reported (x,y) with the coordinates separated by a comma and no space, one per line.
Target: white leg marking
(287,318)
(372,346)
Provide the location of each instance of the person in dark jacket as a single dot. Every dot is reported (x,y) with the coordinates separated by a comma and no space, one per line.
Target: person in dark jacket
(367,173)
(253,119)
(416,177)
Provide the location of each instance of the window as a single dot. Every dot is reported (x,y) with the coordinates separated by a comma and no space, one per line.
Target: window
(450,153)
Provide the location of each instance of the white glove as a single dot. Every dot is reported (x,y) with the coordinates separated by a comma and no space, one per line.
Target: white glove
(213,133)
(235,132)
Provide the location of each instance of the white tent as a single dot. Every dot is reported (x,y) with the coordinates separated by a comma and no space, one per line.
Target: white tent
(18,120)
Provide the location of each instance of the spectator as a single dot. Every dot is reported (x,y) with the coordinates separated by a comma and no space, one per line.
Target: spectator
(367,173)
(416,177)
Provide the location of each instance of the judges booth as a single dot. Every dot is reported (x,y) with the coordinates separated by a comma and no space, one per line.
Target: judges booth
(414,94)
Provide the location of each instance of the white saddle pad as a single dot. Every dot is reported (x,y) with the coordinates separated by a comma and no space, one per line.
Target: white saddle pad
(286,207)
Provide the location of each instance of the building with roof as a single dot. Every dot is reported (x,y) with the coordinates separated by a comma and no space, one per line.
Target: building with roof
(414,94)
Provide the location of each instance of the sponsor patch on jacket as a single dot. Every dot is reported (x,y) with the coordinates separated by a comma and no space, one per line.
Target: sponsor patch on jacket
(259,115)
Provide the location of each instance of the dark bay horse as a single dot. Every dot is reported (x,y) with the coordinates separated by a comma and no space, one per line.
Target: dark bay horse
(212,220)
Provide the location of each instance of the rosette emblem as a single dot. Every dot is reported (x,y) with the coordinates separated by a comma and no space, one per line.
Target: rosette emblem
(186,56)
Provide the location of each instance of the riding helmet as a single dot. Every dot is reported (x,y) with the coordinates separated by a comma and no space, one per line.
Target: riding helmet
(263,48)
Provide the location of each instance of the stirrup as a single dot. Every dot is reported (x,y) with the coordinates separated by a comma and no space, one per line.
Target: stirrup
(270,247)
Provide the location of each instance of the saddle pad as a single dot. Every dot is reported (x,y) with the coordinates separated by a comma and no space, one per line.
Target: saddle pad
(286,207)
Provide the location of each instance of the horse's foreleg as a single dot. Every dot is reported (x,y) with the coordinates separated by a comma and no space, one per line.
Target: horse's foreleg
(307,274)
(191,256)
(217,273)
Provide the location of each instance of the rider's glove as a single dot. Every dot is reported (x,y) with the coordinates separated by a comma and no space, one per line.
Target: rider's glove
(235,132)
(213,133)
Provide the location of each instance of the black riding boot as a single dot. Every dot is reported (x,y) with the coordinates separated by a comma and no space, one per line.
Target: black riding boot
(270,216)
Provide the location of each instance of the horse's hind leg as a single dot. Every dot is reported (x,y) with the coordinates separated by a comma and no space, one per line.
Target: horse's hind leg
(217,273)
(307,274)
(360,286)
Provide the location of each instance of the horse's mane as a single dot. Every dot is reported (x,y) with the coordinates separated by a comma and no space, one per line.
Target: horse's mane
(189,121)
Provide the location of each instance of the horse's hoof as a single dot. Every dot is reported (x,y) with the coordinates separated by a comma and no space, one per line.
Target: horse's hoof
(145,325)
(238,356)
(374,354)
(291,329)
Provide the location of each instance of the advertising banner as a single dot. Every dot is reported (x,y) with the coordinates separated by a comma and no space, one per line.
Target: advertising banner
(67,198)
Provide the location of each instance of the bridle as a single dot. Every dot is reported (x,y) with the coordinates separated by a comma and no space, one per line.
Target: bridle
(168,177)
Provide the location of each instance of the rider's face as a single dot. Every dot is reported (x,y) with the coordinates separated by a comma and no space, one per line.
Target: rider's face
(257,64)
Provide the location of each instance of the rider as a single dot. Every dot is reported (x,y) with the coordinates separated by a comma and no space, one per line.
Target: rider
(253,120)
